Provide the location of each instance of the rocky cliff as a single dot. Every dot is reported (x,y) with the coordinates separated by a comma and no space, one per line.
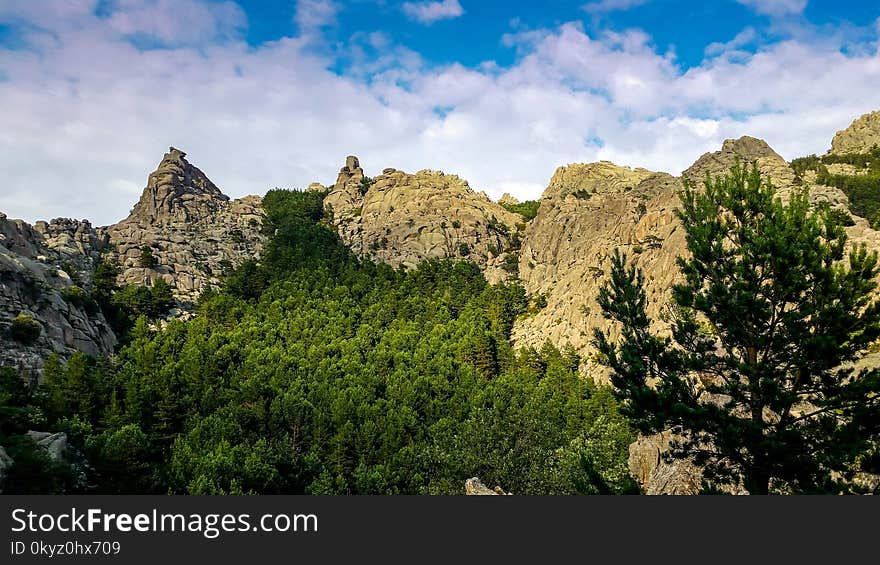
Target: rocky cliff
(402,218)
(184,230)
(45,277)
(589,210)
(862,135)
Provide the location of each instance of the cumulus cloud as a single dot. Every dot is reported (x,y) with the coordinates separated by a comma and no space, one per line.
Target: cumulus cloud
(430,12)
(88,113)
(776,7)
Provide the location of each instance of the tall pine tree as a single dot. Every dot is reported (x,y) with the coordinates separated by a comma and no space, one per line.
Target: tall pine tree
(757,378)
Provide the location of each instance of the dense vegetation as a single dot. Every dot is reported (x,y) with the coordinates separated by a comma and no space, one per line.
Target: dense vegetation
(757,379)
(863,189)
(315,372)
(528,209)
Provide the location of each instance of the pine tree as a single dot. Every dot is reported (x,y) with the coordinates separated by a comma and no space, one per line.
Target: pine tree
(757,378)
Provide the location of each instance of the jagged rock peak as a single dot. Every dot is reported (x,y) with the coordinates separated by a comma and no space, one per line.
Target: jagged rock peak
(586,179)
(177,191)
(861,136)
(508,200)
(746,150)
(352,171)
(749,148)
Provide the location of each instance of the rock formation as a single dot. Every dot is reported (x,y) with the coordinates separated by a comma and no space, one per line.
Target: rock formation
(193,232)
(589,210)
(475,487)
(586,213)
(402,218)
(859,137)
(54,444)
(45,276)
(657,476)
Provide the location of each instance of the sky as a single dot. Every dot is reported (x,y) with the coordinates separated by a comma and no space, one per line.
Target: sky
(276,93)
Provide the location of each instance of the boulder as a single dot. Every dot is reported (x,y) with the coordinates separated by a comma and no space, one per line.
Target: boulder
(55,444)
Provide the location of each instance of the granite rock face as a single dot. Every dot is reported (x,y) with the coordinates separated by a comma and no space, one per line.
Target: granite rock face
(586,213)
(589,210)
(401,219)
(192,230)
(45,276)
(861,136)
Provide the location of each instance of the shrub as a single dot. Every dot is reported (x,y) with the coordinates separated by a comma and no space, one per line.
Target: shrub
(464,249)
(75,295)
(511,263)
(528,209)
(148,260)
(25,329)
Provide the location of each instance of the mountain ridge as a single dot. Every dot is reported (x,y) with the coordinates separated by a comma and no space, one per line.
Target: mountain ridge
(184,231)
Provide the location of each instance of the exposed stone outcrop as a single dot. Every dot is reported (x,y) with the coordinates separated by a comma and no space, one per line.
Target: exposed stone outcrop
(589,210)
(475,487)
(193,231)
(508,200)
(54,444)
(402,218)
(45,276)
(861,136)
(586,213)
(658,476)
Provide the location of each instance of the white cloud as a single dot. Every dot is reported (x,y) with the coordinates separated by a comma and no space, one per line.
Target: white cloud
(176,22)
(607,6)
(430,12)
(311,15)
(776,7)
(87,116)
(743,38)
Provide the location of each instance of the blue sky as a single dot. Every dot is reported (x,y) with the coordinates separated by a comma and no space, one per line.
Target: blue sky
(265,93)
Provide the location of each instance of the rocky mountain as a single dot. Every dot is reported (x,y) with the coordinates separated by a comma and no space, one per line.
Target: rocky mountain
(859,137)
(184,230)
(589,210)
(45,277)
(402,218)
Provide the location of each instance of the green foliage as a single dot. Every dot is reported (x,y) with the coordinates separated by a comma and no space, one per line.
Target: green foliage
(511,263)
(528,209)
(147,259)
(366,183)
(756,379)
(150,301)
(25,329)
(582,194)
(75,295)
(32,472)
(315,372)
(862,190)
